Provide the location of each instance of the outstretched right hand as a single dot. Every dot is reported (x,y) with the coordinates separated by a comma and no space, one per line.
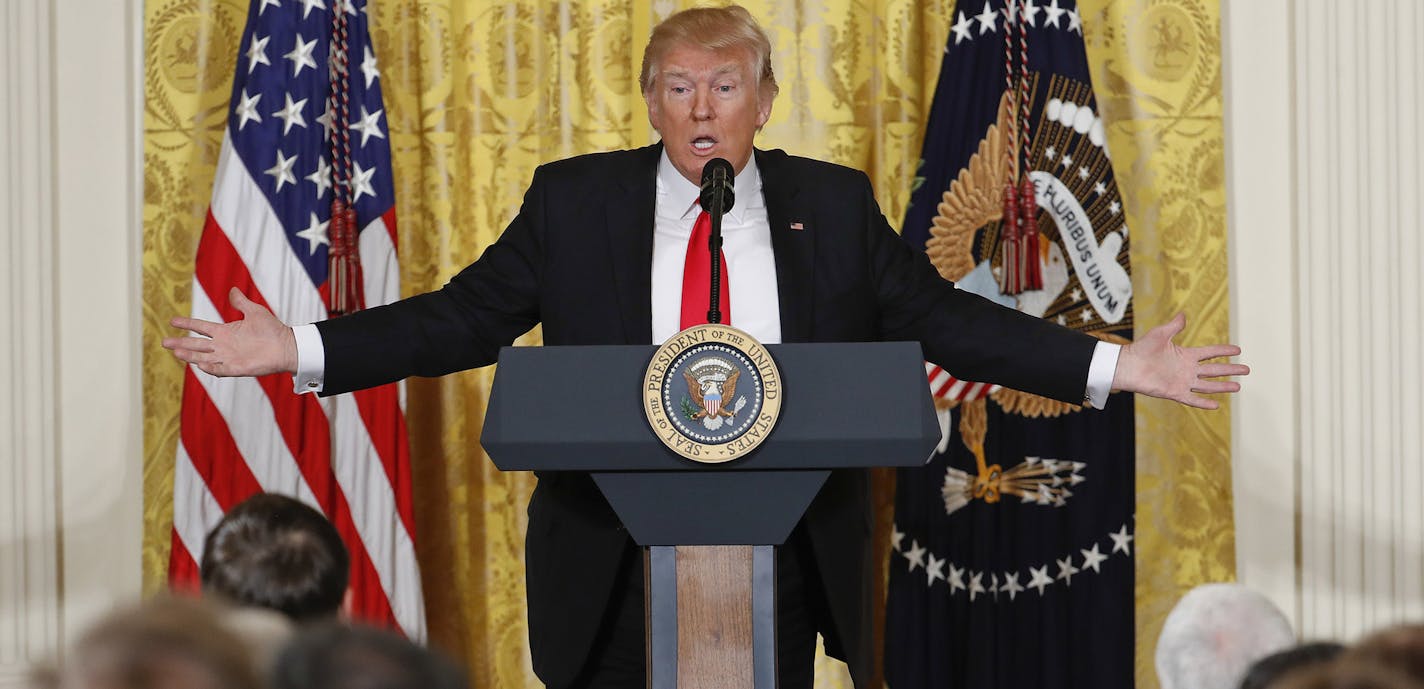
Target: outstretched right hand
(1156,365)
(257,345)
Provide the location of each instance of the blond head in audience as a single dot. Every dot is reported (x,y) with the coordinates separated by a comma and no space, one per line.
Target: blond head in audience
(163,643)
(1399,648)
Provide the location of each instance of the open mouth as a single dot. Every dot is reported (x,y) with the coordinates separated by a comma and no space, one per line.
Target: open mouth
(704,143)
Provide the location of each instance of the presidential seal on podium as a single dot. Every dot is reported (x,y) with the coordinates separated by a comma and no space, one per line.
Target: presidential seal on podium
(712,393)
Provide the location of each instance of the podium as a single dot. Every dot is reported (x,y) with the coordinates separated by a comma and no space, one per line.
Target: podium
(710,530)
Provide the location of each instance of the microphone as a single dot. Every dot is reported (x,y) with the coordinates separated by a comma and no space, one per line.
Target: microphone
(716,199)
(717,195)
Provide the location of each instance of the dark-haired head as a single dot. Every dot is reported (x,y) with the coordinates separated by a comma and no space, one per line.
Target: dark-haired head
(1266,671)
(272,551)
(337,656)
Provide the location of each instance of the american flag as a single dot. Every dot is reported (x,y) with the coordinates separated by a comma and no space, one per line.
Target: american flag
(267,234)
(946,387)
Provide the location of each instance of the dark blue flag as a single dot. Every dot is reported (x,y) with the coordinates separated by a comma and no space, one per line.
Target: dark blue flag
(1012,563)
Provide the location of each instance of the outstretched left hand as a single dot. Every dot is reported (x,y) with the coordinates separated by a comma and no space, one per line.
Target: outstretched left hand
(1156,366)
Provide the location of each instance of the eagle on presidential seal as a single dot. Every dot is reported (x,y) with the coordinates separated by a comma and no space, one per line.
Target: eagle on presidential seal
(712,387)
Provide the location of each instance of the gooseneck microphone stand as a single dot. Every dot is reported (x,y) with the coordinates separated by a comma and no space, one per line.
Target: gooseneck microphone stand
(717,198)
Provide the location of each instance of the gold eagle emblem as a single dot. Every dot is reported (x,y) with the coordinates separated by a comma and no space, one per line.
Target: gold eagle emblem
(974,201)
(698,391)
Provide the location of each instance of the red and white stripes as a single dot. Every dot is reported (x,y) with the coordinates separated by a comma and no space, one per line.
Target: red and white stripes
(346,455)
(946,387)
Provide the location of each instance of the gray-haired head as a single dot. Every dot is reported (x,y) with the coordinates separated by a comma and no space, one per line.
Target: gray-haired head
(1215,632)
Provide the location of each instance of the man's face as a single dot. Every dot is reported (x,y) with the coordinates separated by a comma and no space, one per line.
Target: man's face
(705,105)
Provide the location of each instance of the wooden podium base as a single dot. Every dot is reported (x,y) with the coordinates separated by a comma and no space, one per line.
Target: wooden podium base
(711,617)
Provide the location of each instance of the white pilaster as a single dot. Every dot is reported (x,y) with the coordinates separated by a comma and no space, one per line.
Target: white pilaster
(98,179)
(70,404)
(1256,44)
(29,546)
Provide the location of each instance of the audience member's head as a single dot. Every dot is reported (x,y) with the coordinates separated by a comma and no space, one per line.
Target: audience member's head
(275,552)
(1344,674)
(164,643)
(1399,648)
(44,676)
(1215,633)
(336,656)
(266,632)
(1266,671)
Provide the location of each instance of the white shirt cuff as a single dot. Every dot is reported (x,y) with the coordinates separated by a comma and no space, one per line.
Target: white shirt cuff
(311,359)
(1100,374)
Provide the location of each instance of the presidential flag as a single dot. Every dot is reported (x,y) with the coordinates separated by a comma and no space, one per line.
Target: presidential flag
(302,220)
(1012,549)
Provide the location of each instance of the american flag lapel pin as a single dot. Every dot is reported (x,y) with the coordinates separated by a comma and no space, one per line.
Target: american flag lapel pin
(797,226)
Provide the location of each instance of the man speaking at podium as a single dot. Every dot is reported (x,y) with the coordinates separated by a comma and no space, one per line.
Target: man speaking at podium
(611,248)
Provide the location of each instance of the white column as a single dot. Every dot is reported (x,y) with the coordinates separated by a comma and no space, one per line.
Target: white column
(1325,136)
(1256,45)
(71,411)
(29,547)
(98,78)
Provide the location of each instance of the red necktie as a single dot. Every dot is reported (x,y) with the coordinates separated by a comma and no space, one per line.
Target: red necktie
(696,276)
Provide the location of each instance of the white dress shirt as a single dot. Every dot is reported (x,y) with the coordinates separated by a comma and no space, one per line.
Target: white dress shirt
(746,242)
(751,274)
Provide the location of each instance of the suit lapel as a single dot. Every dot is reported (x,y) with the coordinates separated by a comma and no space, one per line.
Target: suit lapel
(629,219)
(795,249)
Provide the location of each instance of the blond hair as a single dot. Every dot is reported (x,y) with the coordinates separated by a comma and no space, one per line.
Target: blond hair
(712,28)
(166,641)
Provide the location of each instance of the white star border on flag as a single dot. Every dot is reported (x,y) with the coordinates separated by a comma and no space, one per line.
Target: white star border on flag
(273,117)
(987,20)
(1040,578)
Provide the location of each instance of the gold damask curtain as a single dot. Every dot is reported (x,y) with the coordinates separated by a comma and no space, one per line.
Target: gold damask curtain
(478,93)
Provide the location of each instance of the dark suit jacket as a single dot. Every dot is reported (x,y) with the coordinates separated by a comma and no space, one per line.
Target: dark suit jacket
(578,258)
